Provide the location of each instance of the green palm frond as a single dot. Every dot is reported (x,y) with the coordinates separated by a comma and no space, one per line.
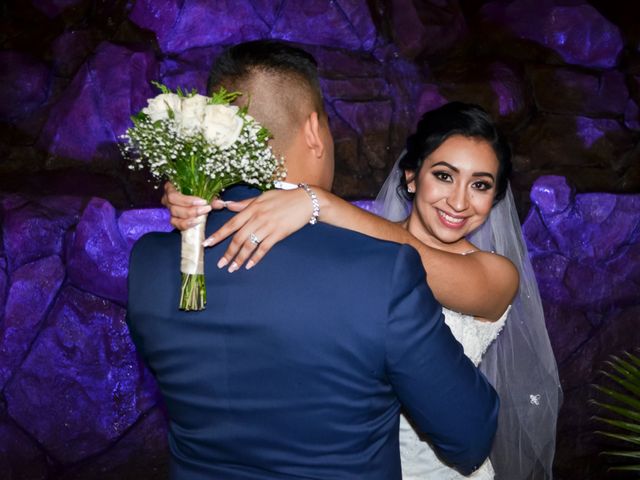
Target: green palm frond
(633,402)
(620,410)
(623,454)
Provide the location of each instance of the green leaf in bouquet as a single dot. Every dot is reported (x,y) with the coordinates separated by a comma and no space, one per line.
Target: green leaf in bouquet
(223,97)
(264,134)
(139,117)
(186,93)
(161,87)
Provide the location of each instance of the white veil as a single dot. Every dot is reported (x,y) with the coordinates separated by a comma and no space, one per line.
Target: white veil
(520,363)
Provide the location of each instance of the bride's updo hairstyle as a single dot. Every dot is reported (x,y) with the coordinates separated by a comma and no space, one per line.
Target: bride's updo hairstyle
(455,118)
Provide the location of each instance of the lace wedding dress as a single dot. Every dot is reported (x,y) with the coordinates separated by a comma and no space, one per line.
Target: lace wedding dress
(418,460)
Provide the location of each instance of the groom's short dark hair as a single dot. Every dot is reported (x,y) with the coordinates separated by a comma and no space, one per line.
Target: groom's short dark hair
(278,79)
(268,56)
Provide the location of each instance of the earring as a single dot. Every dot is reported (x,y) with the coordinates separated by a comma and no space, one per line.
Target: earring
(410,189)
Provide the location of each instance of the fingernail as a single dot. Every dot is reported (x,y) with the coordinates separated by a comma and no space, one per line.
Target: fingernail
(233,267)
(200,201)
(249,265)
(203,210)
(222,262)
(208,242)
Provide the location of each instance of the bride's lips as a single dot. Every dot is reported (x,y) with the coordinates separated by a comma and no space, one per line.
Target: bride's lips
(451,221)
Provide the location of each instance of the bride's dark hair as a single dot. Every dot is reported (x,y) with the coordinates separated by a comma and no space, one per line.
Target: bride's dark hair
(455,118)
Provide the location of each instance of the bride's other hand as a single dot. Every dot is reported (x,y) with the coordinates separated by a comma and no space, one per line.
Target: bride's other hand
(185,209)
(260,224)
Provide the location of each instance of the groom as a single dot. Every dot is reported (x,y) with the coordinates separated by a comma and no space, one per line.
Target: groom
(299,367)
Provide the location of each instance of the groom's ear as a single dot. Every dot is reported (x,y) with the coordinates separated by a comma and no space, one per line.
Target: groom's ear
(312,135)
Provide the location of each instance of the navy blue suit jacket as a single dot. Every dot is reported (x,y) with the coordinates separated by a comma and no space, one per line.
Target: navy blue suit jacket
(299,367)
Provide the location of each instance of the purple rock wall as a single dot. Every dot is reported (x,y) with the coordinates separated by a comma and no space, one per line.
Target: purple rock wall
(76,403)
(560,75)
(585,250)
(75,400)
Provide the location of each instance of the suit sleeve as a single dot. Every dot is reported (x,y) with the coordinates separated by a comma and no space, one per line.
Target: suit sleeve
(445,395)
(138,295)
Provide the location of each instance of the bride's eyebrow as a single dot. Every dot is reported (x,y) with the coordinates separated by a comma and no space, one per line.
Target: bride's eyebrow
(484,174)
(445,164)
(475,174)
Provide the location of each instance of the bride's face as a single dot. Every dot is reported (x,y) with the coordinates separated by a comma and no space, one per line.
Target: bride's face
(454,189)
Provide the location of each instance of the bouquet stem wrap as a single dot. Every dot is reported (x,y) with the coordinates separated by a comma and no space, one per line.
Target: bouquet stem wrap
(193,294)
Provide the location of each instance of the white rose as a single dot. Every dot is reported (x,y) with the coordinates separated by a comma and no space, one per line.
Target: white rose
(158,107)
(222,125)
(192,114)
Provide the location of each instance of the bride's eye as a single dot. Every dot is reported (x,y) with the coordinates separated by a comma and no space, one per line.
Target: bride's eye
(443,176)
(483,186)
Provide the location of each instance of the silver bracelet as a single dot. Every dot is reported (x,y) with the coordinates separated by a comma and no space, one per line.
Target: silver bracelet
(314,203)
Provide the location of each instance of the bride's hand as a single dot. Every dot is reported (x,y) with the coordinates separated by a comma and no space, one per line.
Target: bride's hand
(185,209)
(267,219)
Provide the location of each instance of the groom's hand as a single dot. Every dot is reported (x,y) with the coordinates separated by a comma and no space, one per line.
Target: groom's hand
(185,209)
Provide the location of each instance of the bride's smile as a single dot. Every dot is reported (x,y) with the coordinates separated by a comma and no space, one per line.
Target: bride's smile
(451,221)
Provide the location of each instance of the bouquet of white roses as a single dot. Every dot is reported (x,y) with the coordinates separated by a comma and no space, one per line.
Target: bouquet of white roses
(202,145)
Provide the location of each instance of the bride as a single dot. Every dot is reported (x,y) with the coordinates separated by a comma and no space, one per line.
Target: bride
(447,196)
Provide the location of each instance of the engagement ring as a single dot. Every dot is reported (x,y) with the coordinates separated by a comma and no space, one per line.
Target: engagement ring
(253,238)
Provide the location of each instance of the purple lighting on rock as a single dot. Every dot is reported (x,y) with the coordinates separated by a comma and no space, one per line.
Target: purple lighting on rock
(595,46)
(86,363)
(590,130)
(180,26)
(430,98)
(559,38)
(95,108)
(632,115)
(578,33)
(552,196)
(505,100)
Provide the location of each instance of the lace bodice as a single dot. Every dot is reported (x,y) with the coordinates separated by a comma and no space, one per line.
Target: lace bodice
(474,335)
(418,460)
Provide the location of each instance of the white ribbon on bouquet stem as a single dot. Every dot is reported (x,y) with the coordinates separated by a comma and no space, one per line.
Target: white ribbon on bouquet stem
(192,251)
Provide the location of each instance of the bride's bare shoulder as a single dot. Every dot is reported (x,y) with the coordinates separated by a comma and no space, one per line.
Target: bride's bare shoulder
(500,271)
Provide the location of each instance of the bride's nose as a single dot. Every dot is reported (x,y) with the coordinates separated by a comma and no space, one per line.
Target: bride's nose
(457,198)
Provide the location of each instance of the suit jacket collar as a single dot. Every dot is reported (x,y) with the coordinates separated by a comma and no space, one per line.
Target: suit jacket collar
(240,192)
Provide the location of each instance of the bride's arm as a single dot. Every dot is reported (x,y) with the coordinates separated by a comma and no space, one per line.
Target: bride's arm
(481,284)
